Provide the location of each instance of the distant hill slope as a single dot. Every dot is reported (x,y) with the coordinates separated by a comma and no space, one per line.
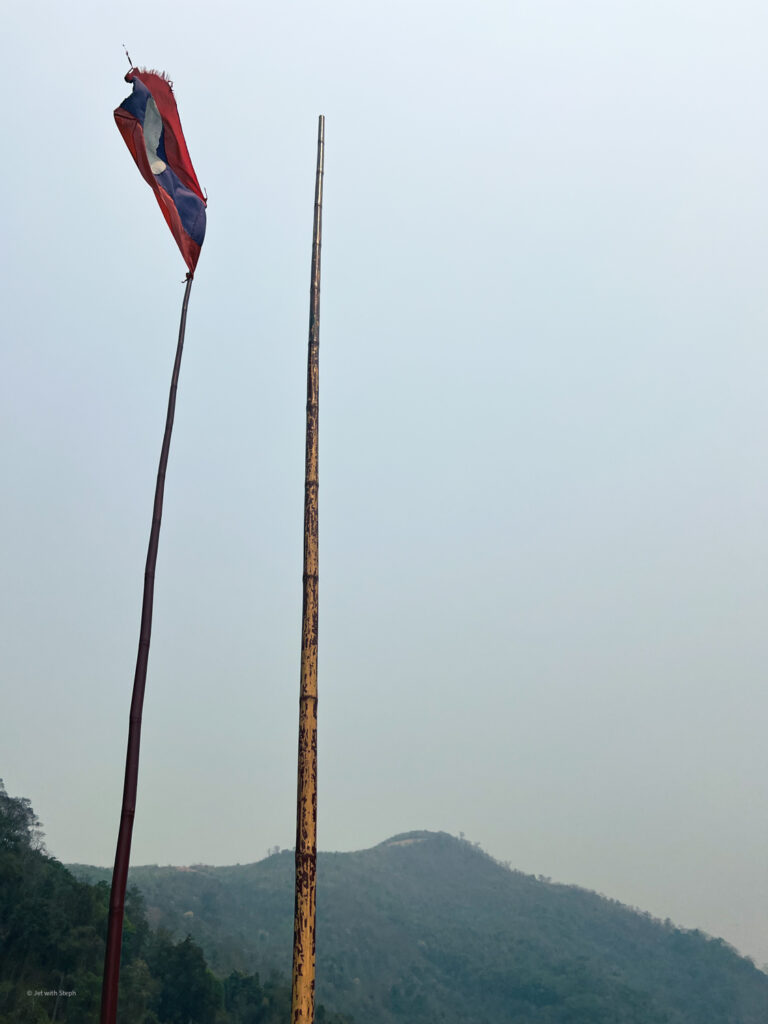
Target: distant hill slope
(427,928)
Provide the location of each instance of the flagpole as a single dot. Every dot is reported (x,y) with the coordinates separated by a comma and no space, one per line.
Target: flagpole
(122,855)
(303,980)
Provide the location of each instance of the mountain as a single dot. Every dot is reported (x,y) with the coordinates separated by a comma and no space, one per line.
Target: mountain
(426,928)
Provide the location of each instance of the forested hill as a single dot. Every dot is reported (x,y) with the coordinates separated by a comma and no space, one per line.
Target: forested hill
(52,930)
(428,928)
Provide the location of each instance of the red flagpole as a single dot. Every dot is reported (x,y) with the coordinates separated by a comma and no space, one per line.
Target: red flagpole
(123,853)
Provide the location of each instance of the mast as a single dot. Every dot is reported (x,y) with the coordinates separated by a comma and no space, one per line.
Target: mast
(123,852)
(303,981)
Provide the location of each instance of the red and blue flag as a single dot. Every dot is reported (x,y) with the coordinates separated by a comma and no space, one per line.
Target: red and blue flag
(149,122)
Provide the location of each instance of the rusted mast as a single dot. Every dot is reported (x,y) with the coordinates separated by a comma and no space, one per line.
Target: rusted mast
(109,989)
(303,982)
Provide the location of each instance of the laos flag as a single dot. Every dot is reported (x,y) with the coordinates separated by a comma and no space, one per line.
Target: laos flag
(149,122)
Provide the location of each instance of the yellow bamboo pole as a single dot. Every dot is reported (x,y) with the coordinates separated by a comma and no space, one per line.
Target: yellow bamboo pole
(303,981)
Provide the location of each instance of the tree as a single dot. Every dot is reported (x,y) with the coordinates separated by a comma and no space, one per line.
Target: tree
(189,992)
(19,825)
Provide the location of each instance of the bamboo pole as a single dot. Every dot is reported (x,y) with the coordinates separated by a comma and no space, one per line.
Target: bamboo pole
(110,984)
(303,980)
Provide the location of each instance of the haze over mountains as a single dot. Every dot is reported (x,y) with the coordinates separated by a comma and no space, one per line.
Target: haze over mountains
(425,928)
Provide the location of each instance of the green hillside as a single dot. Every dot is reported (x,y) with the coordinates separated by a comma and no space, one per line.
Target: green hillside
(428,928)
(52,931)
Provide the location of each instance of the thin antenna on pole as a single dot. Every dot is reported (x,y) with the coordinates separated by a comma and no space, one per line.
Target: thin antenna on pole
(303,981)
(127,55)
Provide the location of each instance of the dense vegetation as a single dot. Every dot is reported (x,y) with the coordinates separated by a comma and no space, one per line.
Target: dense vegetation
(426,928)
(52,930)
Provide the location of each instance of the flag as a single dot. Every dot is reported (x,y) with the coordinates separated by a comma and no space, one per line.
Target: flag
(149,123)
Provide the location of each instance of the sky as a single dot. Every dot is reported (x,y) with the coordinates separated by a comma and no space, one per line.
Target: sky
(543,487)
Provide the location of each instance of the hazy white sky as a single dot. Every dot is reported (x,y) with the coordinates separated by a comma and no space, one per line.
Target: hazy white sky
(543,436)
